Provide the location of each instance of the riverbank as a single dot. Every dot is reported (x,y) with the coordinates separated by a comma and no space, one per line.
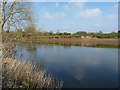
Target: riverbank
(22,74)
(74,41)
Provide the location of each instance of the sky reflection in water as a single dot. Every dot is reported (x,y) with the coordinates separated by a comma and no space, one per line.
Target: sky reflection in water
(78,67)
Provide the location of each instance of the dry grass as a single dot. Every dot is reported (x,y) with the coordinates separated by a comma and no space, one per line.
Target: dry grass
(22,74)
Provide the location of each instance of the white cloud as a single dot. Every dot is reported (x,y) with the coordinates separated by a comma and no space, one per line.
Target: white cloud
(49,15)
(90,13)
(78,4)
(111,17)
(78,10)
(74,6)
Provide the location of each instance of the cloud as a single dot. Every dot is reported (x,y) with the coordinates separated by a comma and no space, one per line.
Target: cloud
(80,10)
(49,15)
(89,13)
(112,17)
(80,4)
(79,13)
(74,6)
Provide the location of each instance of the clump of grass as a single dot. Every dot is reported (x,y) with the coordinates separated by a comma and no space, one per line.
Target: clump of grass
(22,74)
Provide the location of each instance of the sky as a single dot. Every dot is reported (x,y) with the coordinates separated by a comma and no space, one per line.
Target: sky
(76,16)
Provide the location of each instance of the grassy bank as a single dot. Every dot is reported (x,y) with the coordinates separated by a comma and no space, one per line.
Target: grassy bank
(22,74)
(93,39)
(18,73)
(37,35)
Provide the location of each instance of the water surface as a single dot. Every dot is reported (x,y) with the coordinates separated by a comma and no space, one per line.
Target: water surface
(77,66)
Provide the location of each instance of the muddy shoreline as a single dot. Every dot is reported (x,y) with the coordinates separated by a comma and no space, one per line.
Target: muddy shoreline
(74,41)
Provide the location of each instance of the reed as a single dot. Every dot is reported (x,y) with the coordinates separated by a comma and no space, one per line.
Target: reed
(22,74)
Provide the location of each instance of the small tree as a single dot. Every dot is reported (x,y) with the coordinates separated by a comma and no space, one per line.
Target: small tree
(51,33)
(30,30)
(100,32)
(65,33)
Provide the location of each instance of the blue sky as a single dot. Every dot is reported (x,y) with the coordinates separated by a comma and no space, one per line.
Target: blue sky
(76,16)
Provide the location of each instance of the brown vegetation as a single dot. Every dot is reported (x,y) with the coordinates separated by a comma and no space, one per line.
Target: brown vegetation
(74,41)
(22,74)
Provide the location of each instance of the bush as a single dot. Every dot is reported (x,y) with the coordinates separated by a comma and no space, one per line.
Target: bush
(80,33)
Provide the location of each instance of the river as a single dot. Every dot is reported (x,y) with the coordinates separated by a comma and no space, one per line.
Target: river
(76,66)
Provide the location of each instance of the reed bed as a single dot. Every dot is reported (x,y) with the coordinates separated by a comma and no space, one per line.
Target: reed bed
(22,74)
(18,73)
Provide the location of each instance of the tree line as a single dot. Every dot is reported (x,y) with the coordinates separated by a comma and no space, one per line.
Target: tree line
(17,20)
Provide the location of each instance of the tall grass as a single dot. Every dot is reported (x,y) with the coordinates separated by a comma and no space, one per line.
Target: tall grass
(23,74)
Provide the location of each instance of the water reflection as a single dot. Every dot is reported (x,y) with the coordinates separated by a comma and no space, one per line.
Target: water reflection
(31,49)
(78,67)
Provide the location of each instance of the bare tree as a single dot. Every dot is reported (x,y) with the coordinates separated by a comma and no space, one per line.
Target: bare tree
(16,15)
